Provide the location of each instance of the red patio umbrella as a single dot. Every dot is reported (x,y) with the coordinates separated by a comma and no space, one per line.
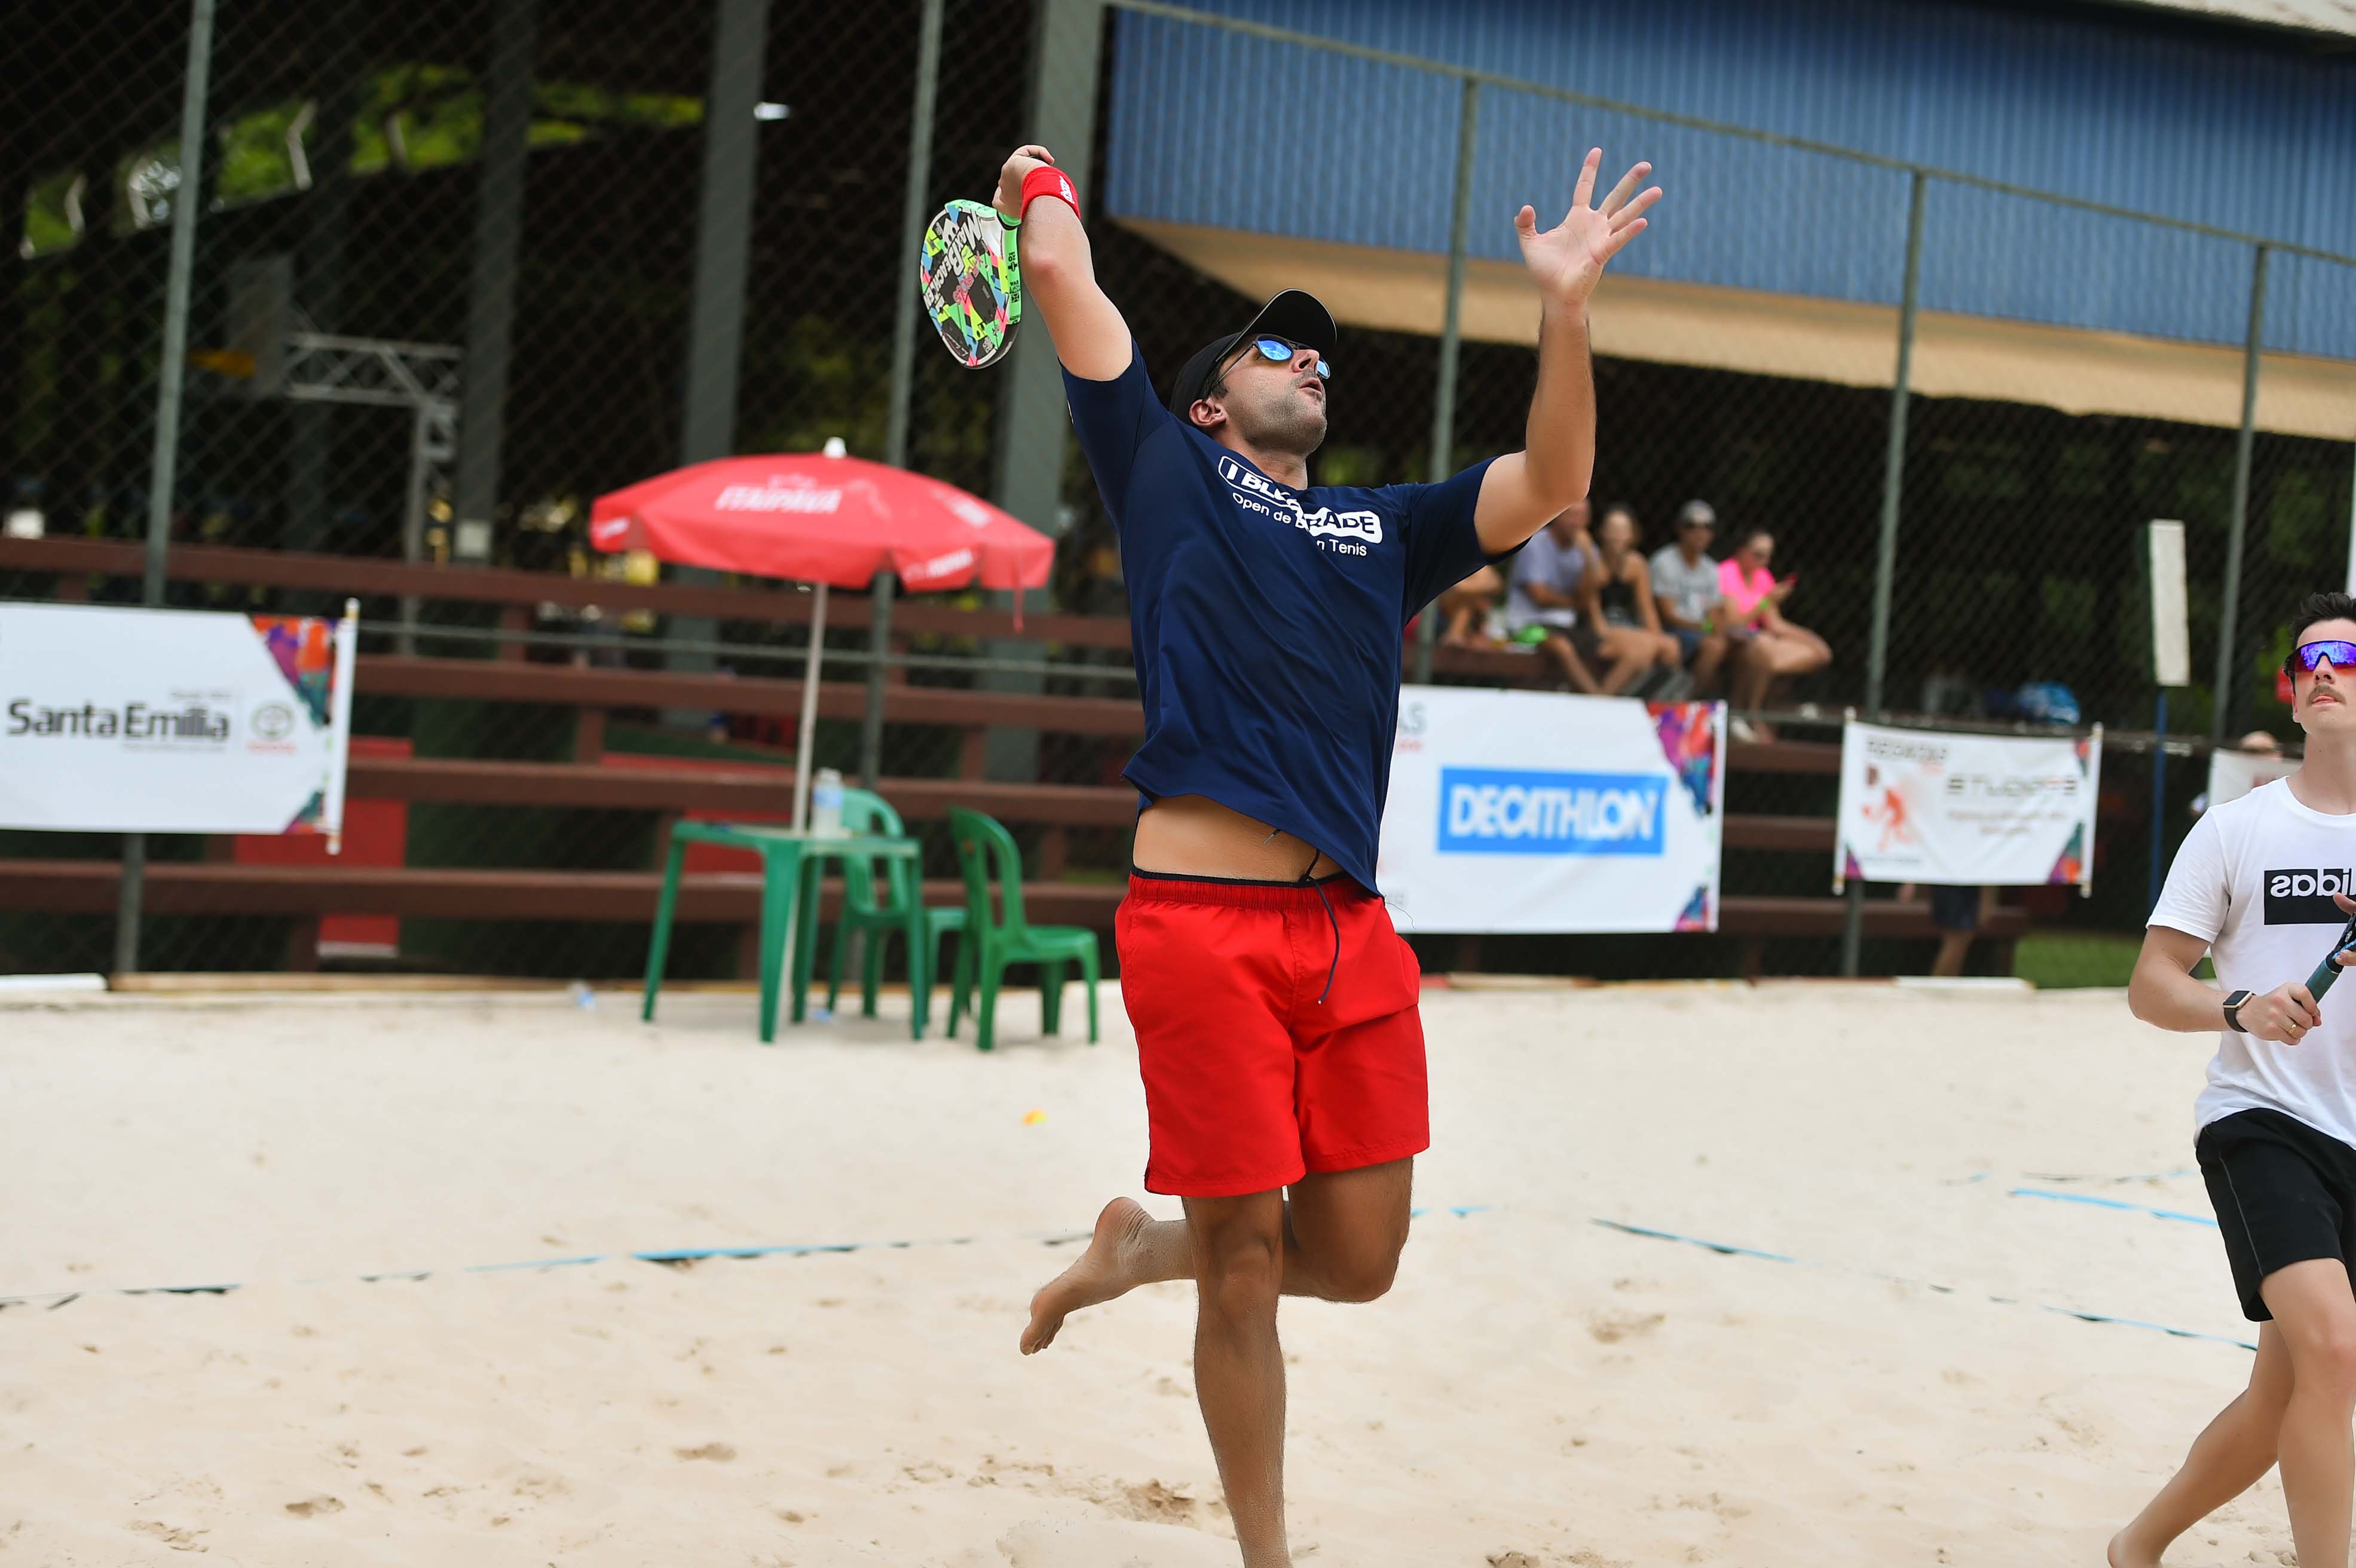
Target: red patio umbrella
(825,519)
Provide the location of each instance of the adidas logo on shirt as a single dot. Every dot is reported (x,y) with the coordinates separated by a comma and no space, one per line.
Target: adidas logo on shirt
(2303,896)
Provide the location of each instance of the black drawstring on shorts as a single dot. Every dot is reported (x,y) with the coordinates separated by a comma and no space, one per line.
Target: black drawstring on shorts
(1330,919)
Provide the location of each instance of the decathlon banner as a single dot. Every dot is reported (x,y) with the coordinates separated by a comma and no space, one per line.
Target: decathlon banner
(1524,810)
(172,720)
(1922,805)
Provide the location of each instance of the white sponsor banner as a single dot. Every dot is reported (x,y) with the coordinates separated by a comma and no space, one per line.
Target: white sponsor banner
(2233,775)
(171,720)
(1524,810)
(1923,806)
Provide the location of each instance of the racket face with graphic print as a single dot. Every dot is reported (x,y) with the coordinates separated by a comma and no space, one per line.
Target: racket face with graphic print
(971,282)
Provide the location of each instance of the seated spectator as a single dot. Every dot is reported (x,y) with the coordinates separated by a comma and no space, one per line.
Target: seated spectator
(1466,610)
(1686,595)
(1550,584)
(1620,596)
(1769,648)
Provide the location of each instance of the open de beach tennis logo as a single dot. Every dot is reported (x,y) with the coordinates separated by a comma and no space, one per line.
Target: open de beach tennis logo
(1351,532)
(1519,811)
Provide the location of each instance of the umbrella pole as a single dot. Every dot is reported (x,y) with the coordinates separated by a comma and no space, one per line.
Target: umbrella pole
(809,711)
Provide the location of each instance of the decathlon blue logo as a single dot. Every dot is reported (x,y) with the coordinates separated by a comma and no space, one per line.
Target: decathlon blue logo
(1517,811)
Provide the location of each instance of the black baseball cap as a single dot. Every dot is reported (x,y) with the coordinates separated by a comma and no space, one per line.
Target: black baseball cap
(1294,315)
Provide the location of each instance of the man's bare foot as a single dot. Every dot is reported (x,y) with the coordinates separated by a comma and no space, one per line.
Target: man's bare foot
(2121,1554)
(1105,1270)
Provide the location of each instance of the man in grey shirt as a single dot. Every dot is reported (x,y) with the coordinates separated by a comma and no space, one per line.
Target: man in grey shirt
(1685,588)
(1548,586)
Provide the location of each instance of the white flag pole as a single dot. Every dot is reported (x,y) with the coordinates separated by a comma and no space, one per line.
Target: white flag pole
(340,723)
(809,711)
(2093,795)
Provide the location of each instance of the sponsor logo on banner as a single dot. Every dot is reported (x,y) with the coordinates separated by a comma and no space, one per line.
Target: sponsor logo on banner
(1500,811)
(271,728)
(783,493)
(1996,786)
(2302,895)
(182,721)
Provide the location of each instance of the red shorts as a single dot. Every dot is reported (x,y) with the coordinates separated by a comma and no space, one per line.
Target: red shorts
(1256,1073)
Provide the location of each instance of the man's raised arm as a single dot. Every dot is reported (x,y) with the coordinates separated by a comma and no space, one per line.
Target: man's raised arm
(1523,489)
(1059,275)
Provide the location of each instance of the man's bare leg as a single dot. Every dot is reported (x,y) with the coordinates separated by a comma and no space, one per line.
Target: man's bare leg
(1342,1235)
(1238,1246)
(1707,661)
(2227,1459)
(2316,1310)
(1574,668)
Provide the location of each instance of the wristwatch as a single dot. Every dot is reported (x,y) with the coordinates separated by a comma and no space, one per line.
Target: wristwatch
(2234,1010)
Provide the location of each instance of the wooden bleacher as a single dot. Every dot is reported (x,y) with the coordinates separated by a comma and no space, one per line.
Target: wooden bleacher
(307,892)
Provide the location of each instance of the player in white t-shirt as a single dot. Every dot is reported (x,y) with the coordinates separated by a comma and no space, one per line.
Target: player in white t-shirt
(2262,886)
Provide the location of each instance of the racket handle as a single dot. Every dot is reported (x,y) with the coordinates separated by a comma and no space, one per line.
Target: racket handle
(2325,973)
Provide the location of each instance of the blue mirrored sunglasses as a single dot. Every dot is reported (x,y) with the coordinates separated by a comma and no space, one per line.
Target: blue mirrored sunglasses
(2342,656)
(1278,351)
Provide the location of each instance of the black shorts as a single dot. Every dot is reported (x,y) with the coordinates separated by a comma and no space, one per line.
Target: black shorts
(2284,1192)
(1955,909)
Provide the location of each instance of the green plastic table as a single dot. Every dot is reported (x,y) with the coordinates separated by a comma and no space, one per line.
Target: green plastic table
(790,864)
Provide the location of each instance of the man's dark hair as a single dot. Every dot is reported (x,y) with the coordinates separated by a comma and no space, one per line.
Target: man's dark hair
(2317,607)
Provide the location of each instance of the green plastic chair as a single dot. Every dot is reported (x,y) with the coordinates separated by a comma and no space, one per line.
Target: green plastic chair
(899,912)
(986,854)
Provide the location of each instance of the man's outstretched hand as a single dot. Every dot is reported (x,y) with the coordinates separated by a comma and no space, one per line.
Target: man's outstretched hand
(1567,260)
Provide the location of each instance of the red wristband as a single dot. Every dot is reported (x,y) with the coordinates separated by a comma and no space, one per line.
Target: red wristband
(1048,180)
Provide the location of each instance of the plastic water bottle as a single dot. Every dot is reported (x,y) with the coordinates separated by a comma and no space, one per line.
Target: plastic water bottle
(826,804)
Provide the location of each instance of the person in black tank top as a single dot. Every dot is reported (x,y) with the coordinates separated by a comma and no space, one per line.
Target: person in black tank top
(1628,624)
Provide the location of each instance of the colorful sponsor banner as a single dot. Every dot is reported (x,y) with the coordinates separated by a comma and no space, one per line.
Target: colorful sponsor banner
(2233,775)
(172,720)
(1923,806)
(1523,811)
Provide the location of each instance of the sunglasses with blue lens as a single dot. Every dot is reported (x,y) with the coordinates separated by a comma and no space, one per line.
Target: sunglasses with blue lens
(2342,656)
(1277,350)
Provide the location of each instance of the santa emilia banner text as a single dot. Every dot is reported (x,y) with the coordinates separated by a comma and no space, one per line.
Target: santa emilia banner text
(171,720)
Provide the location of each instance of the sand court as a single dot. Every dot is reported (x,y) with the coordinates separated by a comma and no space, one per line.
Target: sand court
(1540,1390)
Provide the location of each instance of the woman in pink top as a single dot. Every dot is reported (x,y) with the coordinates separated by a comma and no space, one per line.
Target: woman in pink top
(1769,648)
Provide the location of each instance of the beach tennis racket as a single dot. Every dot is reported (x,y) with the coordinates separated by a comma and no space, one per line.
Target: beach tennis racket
(2326,971)
(971,281)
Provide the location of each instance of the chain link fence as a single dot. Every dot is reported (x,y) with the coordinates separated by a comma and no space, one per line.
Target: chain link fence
(458,268)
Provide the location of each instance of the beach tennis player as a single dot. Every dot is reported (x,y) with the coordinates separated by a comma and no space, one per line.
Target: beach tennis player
(1274,1005)
(2261,885)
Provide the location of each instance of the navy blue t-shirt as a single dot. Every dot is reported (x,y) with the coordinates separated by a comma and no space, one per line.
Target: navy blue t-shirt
(1267,621)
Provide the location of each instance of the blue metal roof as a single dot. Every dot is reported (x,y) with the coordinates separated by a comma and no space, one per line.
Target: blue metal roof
(1214,128)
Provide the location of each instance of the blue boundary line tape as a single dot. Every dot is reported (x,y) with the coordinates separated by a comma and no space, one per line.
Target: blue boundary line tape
(1728,1249)
(2094,1202)
(667,1255)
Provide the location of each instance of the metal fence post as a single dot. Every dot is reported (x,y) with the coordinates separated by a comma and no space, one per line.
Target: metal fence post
(2351,524)
(1034,428)
(914,213)
(723,244)
(171,375)
(1443,397)
(2228,613)
(491,284)
(1885,560)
